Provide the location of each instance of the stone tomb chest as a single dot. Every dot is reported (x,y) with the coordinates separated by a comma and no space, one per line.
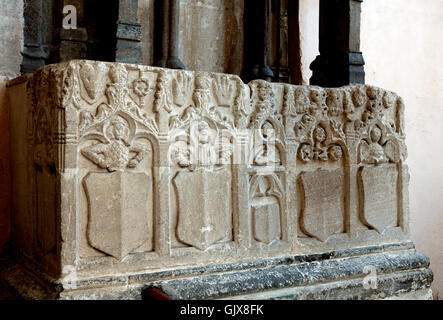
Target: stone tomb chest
(128,177)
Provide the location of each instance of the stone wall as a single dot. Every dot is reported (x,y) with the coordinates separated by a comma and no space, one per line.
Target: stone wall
(11,45)
(11,40)
(211,34)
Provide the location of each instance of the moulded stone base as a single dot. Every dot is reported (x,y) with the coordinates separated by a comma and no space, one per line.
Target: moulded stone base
(401,273)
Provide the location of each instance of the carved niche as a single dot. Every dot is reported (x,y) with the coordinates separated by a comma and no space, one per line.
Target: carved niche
(202,145)
(380,153)
(315,115)
(266,165)
(117,133)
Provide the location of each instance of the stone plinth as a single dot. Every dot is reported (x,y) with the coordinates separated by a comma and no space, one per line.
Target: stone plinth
(129,177)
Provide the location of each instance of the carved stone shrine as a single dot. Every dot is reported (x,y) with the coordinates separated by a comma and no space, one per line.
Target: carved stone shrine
(129,177)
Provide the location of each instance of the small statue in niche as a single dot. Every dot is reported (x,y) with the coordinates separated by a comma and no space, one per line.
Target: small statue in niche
(205,151)
(265,104)
(118,153)
(320,152)
(267,152)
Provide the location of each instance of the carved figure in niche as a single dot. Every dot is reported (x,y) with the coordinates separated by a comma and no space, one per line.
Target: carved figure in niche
(374,106)
(267,152)
(389,100)
(375,150)
(265,105)
(117,154)
(334,102)
(205,151)
(320,150)
(318,102)
(359,97)
(302,102)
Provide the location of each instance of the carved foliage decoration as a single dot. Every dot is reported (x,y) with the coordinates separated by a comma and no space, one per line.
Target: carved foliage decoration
(119,99)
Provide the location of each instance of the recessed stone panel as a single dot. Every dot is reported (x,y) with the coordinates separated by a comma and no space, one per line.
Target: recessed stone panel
(323,209)
(378,196)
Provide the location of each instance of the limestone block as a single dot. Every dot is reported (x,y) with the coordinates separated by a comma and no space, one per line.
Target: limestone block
(129,169)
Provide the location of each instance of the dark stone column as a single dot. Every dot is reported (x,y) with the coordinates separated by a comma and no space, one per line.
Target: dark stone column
(167,41)
(257,40)
(173,60)
(340,61)
(33,52)
(73,43)
(129,33)
(38,33)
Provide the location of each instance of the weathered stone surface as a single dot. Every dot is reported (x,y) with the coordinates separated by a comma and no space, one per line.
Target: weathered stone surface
(11,43)
(379,204)
(127,169)
(120,219)
(323,203)
(341,276)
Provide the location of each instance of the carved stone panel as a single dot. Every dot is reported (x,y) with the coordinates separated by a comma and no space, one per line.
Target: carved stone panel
(136,168)
(266,196)
(266,215)
(120,216)
(378,196)
(204,208)
(323,203)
